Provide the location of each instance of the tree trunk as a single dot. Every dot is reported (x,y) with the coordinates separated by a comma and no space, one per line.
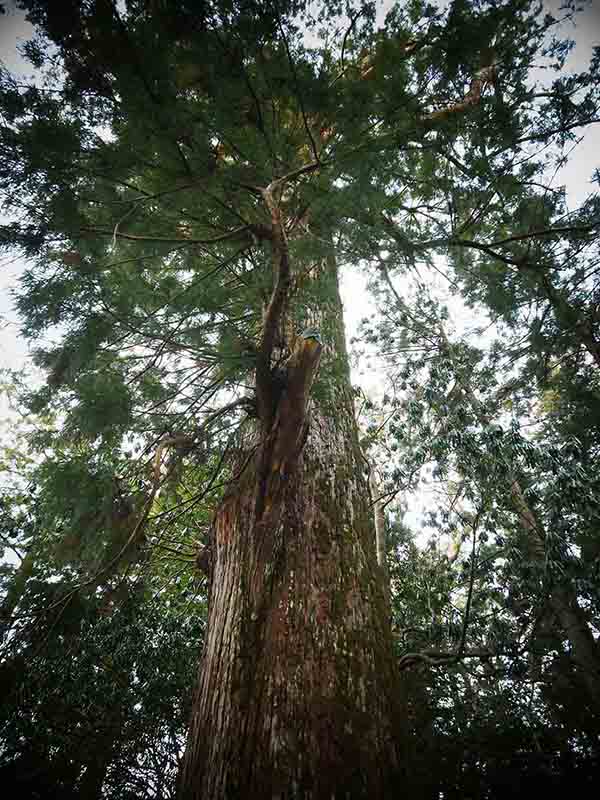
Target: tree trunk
(90,785)
(297,686)
(584,648)
(379,519)
(563,599)
(567,315)
(380,534)
(15,591)
(563,602)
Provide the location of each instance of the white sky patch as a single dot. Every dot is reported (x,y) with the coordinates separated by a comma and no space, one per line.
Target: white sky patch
(14,31)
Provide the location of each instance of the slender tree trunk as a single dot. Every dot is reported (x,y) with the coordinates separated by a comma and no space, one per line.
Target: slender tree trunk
(585,649)
(90,785)
(297,687)
(15,591)
(563,600)
(379,519)
(380,534)
(102,746)
(570,317)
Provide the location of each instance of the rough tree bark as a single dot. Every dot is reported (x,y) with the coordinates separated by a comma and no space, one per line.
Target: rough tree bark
(297,689)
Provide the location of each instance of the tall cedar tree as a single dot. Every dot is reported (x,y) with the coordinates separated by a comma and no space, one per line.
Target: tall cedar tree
(185,182)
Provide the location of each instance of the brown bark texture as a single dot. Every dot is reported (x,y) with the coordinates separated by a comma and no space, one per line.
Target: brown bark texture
(297,685)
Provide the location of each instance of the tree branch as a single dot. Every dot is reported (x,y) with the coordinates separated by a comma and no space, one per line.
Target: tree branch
(168,239)
(313,145)
(433,658)
(546,232)
(273,314)
(482,78)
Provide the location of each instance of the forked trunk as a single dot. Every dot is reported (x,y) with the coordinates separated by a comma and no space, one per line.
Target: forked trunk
(297,691)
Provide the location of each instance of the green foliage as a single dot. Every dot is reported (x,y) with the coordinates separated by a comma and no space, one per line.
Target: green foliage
(107,688)
(132,171)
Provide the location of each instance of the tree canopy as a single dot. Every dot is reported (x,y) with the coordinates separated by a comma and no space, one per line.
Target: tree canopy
(175,176)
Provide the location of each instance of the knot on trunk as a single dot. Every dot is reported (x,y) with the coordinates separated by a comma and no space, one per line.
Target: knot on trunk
(289,428)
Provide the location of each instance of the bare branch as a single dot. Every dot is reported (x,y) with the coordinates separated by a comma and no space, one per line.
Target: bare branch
(519,237)
(279,296)
(483,77)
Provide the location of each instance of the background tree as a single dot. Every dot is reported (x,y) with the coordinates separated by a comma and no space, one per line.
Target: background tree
(97,666)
